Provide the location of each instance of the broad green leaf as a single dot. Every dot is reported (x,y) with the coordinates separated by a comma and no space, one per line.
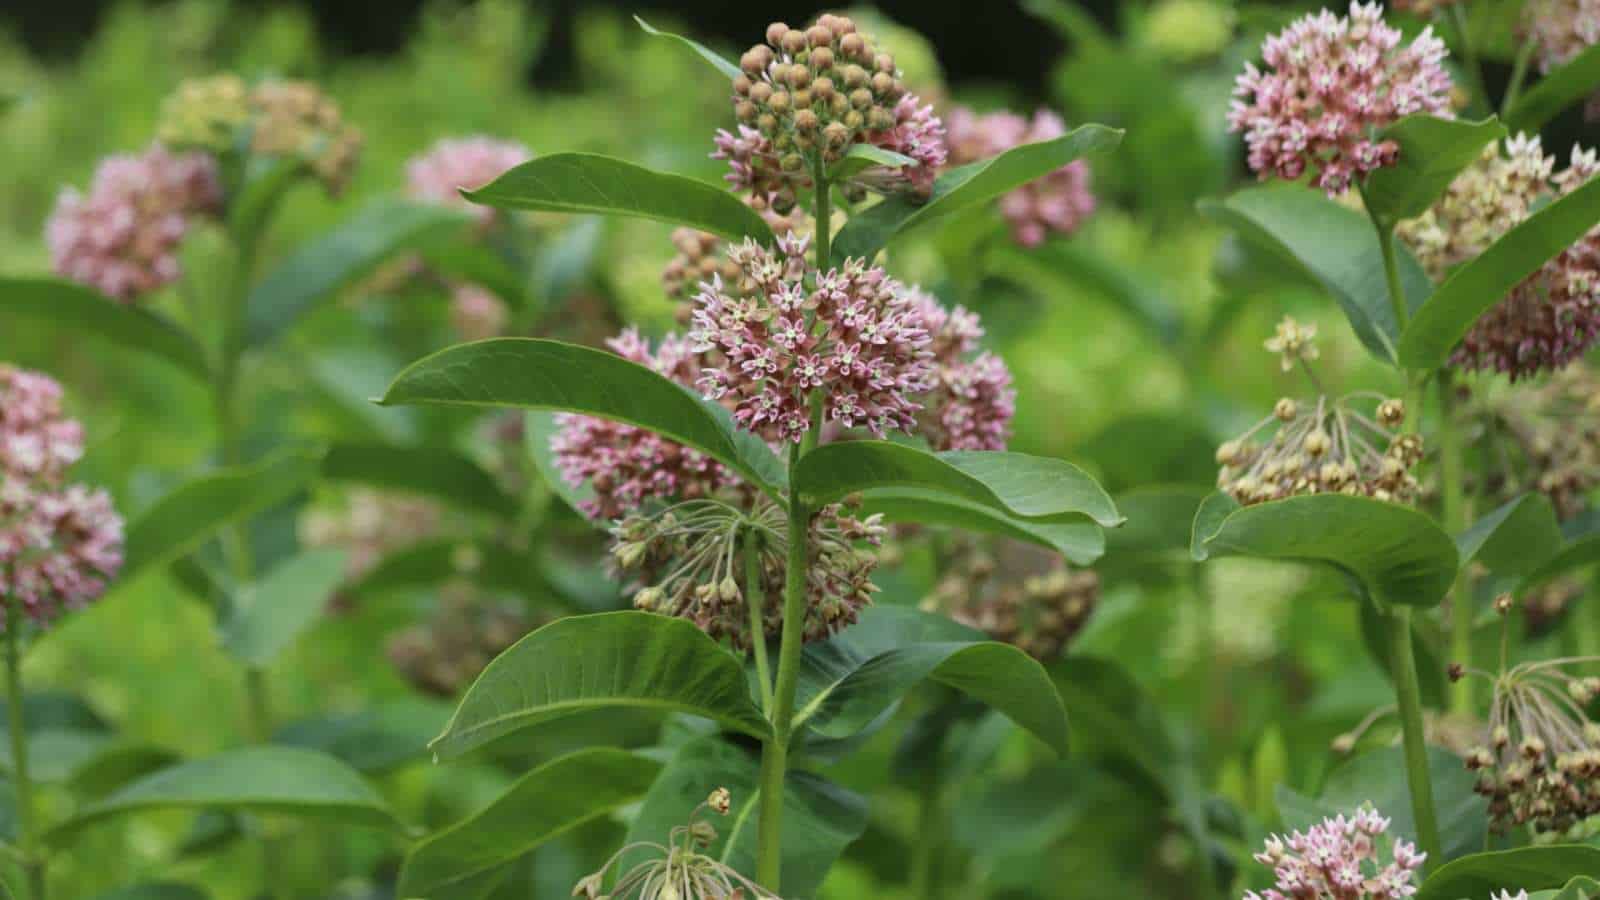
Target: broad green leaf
(1482,282)
(1378,777)
(539,427)
(967,187)
(284,780)
(864,156)
(721,65)
(820,819)
(589,183)
(1514,539)
(321,267)
(628,659)
(1013,484)
(197,510)
(861,684)
(548,801)
(155,890)
(116,764)
(1332,245)
(1526,868)
(551,375)
(1568,84)
(1581,552)
(268,615)
(84,313)
(426,564)
(374,740)
(1081,542)
(1433,151)
(1399,555)
(437,472)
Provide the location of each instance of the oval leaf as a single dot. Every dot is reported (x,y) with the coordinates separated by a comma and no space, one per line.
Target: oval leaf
(284,780)
(83,313)
(267,616)
(721,65)
(589,183)
(863,685)
(551,375)
(553,798)
(1433,151)
(317,270)
(1526,868)
(1079,541)
(632,659)
(1515,539)
(966,187)
(1397,554)
(1482,282)
(437,472)
(197,510)
(1012,484)
(1556,91)
(1334,246)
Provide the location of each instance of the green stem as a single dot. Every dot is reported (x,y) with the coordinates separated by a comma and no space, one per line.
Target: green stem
(757,602)
(1519,74)
(1391,274)
(33,860)
(1409,698)
(925,844)
(822,208)
(1451,473)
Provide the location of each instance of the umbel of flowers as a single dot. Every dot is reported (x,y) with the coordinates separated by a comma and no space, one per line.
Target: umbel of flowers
(1553,316)
(1340,859)
(1016,593)
(1330,84)
(1058,203)
(678,870)
(60,542)
(1561,29)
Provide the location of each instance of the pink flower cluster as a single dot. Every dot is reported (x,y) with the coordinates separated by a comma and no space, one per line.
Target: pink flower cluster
(786,330)
(1337,859)
(627,465)
(122,236)
(455,163)
(59,543)
(1057,203)
(476,312)
(1561,29)
(971,403)
(1330,84)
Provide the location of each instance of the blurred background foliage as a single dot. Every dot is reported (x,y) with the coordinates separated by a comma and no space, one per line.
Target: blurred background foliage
(1136,346)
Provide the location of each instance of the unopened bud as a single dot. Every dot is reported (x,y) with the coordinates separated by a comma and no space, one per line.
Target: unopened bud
(1391,412)
(1285,410)
(728,589)
(720,800)
(1504,603)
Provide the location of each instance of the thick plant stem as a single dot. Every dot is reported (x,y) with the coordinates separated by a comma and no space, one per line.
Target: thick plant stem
(33,861)
(756,601)
(1451,473)
(1409,697)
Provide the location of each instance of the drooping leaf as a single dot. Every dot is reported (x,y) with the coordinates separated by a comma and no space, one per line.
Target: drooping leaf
(1482,282)
(268,615)
(721,65)
(551,375)
(321,267)
(1332,245)
(864,677)
(1433,151)
(549,800)
(966,187)
(437,472)
(628,659)
(1080,541)
(1578,78)
(1399,555)
(374,740)
(590,183)
(197,510)
(1013,484)
(1514,539)
(820,819)
(86,314)
(283,780)
(1526,868)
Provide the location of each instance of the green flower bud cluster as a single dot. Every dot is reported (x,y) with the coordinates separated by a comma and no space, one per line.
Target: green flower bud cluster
(204,114)
(816,91)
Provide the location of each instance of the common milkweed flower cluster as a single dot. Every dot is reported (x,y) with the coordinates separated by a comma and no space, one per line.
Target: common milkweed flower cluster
(60,543)
(1561,29)
(1057,203)
(1552,317)
(452,164)
(970,402)
(680,869)
(1340,859)
(1330,84)
(122,235)
(1323,445)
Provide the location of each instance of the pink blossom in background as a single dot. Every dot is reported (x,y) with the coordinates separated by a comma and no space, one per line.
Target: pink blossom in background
(971,402)
(121,237)
(1057,203)
(1561,29)
(1329,84)
(476,312)
(453,164)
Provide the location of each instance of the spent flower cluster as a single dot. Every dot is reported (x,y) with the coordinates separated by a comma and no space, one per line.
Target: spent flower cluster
(59,543)
(1056,203)
(443,655)
(1019,594)
(1330,84)
(680,869)
(1546,438)
(1339,859)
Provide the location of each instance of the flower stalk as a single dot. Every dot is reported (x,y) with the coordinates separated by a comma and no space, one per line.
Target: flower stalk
(32,853)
